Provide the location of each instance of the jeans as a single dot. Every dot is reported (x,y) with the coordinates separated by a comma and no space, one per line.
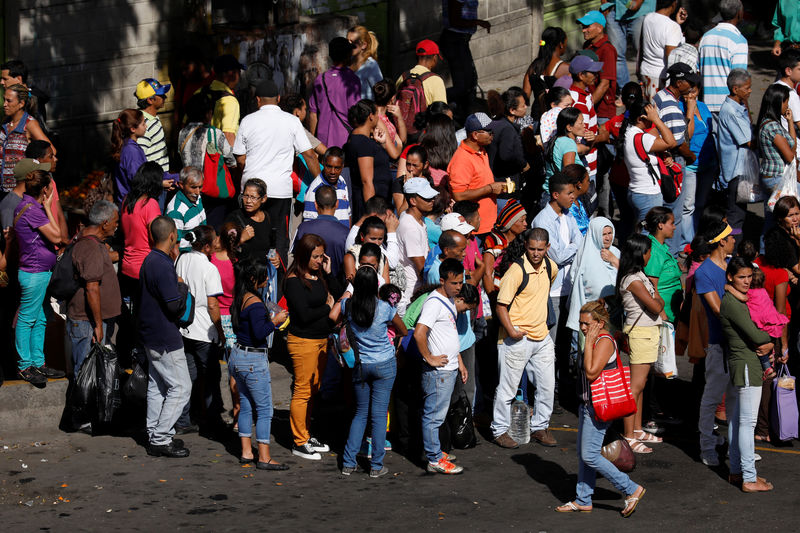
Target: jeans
(515,356)
(80,336)
(455,50)
(168,389)
(743,405)
(437,388)
(31,321)
(718,382)
(202,360)
(372,386)
(689,194)
(642,203)
(590,461)
(250,370)
(620,32)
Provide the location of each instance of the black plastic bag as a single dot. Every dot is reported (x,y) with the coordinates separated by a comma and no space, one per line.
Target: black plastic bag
(135,389)
(109,396)
(459,420)
(83,393)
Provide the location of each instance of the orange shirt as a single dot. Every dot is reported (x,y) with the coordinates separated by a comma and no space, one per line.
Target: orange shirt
(468,170)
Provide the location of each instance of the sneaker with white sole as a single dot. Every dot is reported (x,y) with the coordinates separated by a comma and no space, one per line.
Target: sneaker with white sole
(443,466)
(306,452)
(317,446)
(378,473)
(347,470)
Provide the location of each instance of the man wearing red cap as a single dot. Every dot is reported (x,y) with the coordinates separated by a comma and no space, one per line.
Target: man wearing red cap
(432,84)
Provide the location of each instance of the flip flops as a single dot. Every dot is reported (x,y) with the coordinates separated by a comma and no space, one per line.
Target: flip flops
(631,502)
(571,507)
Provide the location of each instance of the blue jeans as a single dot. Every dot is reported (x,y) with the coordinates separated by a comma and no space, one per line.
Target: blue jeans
(590,441)
(689,194)
(168,389)
(250,370)
(32,321)
(372,386)
(80,336)
(642,203)
(620,32)
(437,388)
(741,427)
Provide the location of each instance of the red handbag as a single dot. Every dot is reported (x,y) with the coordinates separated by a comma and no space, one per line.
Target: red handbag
(217,182)
(611,393)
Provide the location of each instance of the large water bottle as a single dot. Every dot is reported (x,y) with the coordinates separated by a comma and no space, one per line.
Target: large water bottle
(520,429)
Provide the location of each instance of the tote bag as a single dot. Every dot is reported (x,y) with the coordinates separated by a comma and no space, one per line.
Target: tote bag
(217,180)
(783,414)
(665,364)
(611,393)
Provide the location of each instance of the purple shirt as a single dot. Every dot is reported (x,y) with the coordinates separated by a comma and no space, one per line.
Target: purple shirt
(130,159)
(344,90)
(36,253)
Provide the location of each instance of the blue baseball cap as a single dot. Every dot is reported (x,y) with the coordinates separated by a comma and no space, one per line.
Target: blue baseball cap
(149,87)
(477,122)
(582,63)
(591,17)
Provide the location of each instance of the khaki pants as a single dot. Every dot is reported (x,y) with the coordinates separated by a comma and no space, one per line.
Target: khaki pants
(308,357)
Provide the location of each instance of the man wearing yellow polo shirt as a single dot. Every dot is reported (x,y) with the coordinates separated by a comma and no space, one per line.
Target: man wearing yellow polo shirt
(227,73)
(427,59)
(524,340)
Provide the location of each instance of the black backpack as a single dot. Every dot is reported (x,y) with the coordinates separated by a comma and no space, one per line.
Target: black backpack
(64,282)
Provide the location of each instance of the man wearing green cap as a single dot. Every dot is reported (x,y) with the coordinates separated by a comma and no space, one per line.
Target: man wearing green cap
(13,198)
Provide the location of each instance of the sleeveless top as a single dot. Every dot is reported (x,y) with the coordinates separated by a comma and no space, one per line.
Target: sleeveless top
(584,391)
(14,144)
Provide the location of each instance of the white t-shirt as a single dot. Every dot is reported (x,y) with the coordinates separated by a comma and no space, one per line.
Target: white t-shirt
(203,280)
(658,32)
(412,237)
(439,314)
(641,180)
(270,138)
(562,284)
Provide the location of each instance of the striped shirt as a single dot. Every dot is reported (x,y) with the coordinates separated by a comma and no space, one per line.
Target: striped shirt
(583,102)
(687,54)
(722,49)
(153,142)
(669,111)
(342,213)
(186,215)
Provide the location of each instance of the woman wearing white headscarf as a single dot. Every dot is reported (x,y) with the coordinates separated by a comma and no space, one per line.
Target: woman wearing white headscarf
(594,271)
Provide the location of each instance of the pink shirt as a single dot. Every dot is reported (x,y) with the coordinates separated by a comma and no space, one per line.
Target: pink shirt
(764,314)
(225,268)
(471,253)
(135,227)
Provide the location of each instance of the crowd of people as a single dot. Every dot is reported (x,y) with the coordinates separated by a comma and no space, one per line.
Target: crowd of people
(433,247)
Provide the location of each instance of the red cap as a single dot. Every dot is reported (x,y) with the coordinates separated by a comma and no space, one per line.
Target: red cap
(427,48)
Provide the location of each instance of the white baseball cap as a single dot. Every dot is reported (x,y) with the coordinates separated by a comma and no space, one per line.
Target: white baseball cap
(455,221)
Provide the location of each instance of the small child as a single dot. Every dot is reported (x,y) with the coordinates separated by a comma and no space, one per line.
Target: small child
(765,316)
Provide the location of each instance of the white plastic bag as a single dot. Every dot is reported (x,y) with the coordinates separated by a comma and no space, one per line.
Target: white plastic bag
(665,364)
(788,185)
(750,189)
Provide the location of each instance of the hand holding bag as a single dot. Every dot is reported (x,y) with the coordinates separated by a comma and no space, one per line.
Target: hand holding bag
(611,393)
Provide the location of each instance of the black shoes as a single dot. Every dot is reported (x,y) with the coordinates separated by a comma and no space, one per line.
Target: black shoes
(185,430)
(34,377)
(50,373)
(167,450)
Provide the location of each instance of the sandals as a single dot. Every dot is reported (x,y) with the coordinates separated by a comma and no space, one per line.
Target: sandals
(631,502)
(637,446)
(269,465)
(762,438)
(572,507)
(644,436)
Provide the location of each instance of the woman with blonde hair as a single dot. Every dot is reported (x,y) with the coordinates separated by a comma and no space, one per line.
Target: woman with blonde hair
(365,58)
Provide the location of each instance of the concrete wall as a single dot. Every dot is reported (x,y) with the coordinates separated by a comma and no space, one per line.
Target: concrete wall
(505,52)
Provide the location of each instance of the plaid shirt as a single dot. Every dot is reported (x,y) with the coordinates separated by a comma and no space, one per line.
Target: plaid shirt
(770,161)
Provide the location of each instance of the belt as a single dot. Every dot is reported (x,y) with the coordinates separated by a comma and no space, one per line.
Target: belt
(250,349)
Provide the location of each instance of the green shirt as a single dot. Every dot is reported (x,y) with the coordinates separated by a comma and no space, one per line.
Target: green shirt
(742,337)
(786,21)
(665,268)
